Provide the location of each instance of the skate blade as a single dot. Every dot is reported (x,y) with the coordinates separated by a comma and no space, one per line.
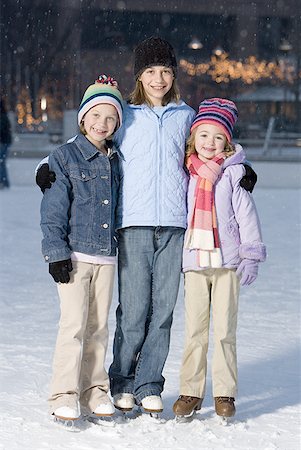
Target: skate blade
(154,414)
(123,416)
(185,419)
(225,421)
(154,417)
(105,421)
(153,411)
(67,424)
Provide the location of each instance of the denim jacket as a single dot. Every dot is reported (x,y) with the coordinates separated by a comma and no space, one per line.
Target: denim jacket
(78,212)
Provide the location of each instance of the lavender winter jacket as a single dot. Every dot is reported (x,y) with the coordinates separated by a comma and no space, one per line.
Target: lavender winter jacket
(237,219)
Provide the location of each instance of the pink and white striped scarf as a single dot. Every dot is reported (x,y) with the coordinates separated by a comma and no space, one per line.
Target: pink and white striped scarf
(202,233)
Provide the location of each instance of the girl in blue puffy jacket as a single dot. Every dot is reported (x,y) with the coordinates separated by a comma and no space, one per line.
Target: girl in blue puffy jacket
(151,219)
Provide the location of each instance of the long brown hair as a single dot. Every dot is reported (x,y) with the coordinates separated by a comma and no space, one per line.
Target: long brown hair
(138,96)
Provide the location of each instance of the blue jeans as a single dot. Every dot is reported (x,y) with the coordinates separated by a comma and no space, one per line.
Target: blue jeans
(3,172)
(149,268)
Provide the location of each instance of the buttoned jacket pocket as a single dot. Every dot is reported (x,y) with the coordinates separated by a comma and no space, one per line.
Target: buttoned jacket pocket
(84,182)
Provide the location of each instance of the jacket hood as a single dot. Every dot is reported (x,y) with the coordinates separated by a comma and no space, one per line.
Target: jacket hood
(239,157)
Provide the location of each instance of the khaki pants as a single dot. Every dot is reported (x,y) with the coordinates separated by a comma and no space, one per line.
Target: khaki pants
(78,364)
(218,289)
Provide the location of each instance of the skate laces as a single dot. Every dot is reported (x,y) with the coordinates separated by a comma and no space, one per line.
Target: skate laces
(187,398)
(225,399)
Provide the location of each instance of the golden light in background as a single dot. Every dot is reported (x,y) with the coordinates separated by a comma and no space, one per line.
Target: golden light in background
(221,69)
(195,44)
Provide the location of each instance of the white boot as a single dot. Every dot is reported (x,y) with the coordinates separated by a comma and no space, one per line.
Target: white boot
(152,403)
(124,401)
(104,408)
(67,413)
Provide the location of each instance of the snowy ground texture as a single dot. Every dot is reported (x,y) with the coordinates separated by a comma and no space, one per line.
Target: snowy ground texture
(268,404)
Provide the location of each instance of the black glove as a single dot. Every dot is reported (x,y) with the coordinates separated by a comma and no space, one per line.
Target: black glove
(45,177)
(249,180)
(59,270)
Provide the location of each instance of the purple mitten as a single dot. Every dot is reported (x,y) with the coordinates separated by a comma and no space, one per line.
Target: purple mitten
(248,270)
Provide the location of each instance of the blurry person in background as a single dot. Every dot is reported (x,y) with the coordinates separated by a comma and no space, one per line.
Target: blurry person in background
(5,141)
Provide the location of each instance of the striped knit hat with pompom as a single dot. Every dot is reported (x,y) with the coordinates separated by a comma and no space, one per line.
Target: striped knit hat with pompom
(217,111)
(104,90)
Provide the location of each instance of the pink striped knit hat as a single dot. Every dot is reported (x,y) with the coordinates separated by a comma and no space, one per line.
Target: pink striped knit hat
(217,111)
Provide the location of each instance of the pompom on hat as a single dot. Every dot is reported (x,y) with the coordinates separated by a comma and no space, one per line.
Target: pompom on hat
(217,111)
(154,51)
(104,90)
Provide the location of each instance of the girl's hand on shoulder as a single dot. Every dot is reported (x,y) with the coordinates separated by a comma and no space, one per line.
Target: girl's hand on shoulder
(45,177)
(249,180)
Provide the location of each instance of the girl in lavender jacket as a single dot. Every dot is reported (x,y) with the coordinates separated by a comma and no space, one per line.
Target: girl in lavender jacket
(222,250)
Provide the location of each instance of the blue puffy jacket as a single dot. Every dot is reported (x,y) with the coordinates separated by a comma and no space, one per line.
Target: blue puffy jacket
(154,183)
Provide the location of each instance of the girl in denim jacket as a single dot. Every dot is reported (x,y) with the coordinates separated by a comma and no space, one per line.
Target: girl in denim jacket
(78,223)
(223,248)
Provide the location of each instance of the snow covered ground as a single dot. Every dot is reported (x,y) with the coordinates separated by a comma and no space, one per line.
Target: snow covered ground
(268,404)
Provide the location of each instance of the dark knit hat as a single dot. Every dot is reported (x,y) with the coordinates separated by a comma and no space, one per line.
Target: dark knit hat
(154,51)
(219,112)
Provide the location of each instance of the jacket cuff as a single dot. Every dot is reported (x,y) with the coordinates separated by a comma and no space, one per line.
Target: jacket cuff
(253,250)
(56,255)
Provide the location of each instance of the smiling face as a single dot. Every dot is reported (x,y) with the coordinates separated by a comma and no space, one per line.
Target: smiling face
(100,123)
(209,141)
(157,82)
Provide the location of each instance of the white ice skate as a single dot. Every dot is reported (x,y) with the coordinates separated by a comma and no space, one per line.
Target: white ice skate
(153,405)
(125,402)
(67,416)
(102,414)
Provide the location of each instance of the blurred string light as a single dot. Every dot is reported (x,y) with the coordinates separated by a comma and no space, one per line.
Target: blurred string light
(195,44)
(221,69)
(43,108)
(285,46)
(218,51)
(24,111)
(43,103)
